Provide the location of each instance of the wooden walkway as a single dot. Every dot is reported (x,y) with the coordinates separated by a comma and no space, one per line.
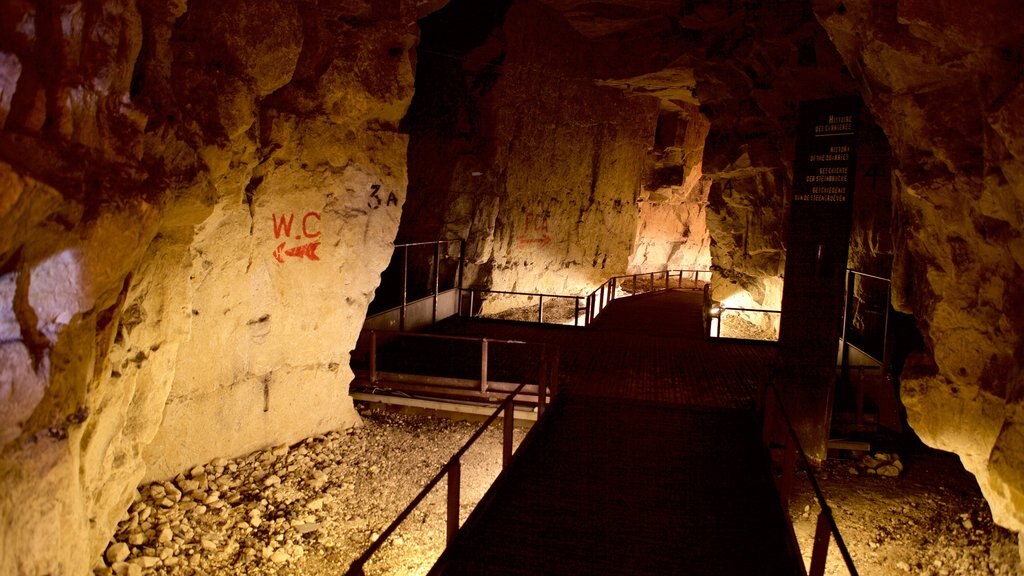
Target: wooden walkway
(648,463)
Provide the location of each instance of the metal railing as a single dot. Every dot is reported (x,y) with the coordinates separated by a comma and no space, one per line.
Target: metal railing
(825,528)
(424,303)
(453,472)
(714,315)
(476,296)
(453,381)
(661,281)
(852,277)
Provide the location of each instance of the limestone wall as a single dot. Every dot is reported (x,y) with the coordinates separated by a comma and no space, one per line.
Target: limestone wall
(196,202)
(672,232)
(944,84)
(534,165)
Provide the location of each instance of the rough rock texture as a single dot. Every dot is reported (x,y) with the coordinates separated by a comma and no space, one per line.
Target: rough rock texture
(747,67)
(195,207)
(672,231)
(538,167)
(945,86)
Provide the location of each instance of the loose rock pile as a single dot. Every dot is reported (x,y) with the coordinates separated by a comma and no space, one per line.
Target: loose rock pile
(306,509)
(880,464)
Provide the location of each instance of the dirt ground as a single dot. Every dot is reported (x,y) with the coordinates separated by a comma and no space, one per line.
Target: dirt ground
(312,508)
(930,520)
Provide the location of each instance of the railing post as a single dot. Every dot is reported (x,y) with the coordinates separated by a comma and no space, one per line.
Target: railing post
(542,382)
(844,365)
(471,293)
(602,296)
(454,479)
(540,311)
(437,280)
(666,279)
(576,315)
(652,281)
(373,357)
(819,553)
(462,247)
(483,365)
(506,440)
(405,291)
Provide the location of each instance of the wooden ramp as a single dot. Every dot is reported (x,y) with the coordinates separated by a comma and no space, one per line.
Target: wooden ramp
(621,487)
(649,462)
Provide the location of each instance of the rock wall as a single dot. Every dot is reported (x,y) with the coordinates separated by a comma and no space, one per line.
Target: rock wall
(196,204)
(672,232)
(538,167)
(945,86)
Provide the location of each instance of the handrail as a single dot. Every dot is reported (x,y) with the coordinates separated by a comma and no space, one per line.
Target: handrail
(713,310)
(427,243)
(482,386)
(596,301)
(433,292)
(826,524)
(453,471)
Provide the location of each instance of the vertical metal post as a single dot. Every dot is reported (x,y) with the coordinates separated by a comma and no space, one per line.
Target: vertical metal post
(373,357)
(506,440)
(471,293)
(844,365)
(483,365)
(666,279)
(634,284)
(652,281)
(540,310)
(454,479)
(822,534)
(462,246)
(437,280)
(885,332)
(542,382)
(405,287)
(576,315)
(602,296)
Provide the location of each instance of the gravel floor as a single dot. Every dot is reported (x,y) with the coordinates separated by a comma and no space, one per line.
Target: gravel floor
(930,520)
(310,509)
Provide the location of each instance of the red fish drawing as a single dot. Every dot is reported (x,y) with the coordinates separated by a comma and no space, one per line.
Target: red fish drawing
(304,251)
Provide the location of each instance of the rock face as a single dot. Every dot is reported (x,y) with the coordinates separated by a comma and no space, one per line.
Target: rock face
(672,230)
(944,85)
(195,208)
(522,155)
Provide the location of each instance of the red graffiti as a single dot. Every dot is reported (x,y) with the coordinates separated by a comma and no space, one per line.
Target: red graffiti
(300,252)
(543,241)
(536,230)
(305,220)
(283,225)
(536,222)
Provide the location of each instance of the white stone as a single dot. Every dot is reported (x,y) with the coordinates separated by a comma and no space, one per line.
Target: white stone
(117,553)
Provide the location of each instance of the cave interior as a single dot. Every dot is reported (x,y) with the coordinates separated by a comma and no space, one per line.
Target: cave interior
(200,205)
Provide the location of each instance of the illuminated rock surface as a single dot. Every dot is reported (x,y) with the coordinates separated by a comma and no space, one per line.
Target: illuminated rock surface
(197,202)
(944,85)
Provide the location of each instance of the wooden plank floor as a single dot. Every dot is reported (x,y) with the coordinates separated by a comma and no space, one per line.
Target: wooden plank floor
(648,463)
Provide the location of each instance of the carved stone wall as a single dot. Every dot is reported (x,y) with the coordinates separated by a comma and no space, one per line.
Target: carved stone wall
(196,204)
